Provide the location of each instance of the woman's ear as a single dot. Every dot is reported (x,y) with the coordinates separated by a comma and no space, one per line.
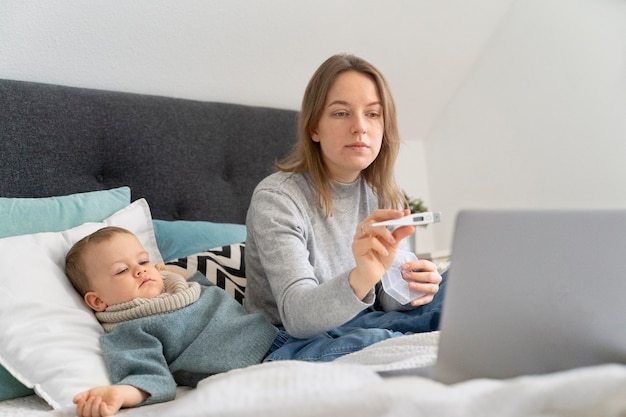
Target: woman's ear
(314,135)
(94,301)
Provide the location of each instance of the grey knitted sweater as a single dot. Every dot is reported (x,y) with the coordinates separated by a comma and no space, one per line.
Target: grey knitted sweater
(297,261)
(211,335)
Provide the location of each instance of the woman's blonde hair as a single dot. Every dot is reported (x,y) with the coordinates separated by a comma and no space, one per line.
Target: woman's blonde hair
(306,156)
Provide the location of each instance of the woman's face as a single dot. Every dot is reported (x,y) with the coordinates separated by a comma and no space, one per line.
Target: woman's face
(350,130)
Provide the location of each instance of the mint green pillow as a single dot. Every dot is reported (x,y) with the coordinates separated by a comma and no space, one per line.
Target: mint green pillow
(10,387)
(181,238)
(21,216)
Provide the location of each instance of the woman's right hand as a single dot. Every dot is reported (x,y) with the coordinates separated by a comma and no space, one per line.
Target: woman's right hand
(374,249)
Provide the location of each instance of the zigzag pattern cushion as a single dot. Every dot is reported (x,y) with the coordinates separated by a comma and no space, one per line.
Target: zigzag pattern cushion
(223,266)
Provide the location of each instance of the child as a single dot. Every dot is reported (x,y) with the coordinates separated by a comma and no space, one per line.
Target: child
(162,330)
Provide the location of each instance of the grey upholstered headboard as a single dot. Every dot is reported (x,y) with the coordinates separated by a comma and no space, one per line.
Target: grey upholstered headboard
(191,160)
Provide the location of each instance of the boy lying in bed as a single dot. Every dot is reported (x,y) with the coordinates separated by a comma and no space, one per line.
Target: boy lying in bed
(162,330)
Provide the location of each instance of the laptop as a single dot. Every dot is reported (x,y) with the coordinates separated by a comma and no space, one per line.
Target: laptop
(533,292)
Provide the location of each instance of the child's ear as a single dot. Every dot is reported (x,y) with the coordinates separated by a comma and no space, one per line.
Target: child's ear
(95,302)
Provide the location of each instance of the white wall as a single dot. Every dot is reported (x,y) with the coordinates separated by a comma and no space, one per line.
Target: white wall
(541,120)
(497,99)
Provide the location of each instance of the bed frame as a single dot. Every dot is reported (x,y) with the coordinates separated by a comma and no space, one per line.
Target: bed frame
(190,160)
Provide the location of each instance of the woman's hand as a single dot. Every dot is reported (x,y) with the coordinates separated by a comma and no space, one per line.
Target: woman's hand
(374,249)
(423,277)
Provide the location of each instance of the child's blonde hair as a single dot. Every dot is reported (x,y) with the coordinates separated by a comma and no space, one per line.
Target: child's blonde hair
(74,266)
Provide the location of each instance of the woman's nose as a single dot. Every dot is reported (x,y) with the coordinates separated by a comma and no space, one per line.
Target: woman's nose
(359,126)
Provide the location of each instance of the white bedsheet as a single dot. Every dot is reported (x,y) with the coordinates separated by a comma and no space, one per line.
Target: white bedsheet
(351,386)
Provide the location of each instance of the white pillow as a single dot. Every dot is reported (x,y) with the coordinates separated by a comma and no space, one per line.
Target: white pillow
(50,338)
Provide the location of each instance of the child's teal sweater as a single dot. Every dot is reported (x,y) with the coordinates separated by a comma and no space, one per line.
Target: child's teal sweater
(212,335)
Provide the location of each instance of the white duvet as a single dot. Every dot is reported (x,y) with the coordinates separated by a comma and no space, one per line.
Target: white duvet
(351,386)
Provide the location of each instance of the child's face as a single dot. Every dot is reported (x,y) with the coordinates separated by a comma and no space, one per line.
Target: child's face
(120,270)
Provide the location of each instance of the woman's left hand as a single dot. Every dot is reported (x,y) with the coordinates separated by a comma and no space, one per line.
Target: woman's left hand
(423,277)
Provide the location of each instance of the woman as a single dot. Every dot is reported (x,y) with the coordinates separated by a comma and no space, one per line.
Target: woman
(313,259)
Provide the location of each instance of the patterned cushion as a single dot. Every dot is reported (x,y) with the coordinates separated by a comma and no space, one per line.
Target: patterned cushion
(223,266)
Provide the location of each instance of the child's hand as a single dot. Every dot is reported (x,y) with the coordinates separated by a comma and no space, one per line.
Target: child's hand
(106,401)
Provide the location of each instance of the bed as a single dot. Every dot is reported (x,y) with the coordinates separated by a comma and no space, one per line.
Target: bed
(180,174)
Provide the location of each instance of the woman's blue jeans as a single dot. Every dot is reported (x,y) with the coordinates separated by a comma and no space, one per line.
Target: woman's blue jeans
(368,327)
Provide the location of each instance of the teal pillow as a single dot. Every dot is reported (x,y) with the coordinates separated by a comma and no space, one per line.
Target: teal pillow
(22,216)
(10,387)
(181,238)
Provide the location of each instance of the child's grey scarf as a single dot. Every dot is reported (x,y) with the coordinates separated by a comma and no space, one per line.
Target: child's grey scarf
(177,293)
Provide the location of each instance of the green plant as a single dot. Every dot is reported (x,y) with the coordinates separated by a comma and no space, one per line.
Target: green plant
(416,205)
